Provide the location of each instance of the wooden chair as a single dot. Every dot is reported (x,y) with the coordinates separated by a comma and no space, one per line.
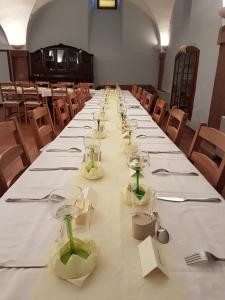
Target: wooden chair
(88,85)
(12,101)
(45,84)
(143,97)
(214,173)
(134,90)
(159,111)
(139,93)
(59,91)
(175,125)
(31,97)
(148,102)
(62,112)
(46,130)
(8,156)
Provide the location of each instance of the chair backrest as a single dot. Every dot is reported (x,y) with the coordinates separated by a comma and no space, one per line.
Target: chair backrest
(62,112)
(30,92)
(86,84)
(148,102)
(139,93)
(213,172)
(175,125)
(159,111)
(67,84)
(59,91)
(43,83)
(143,97)
(46,130)
(9,92)
(9,155)
(134,90)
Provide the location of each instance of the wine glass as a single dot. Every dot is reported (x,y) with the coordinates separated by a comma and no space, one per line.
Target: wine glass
(63,203)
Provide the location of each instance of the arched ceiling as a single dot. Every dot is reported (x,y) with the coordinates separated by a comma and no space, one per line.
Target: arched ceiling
(15,15)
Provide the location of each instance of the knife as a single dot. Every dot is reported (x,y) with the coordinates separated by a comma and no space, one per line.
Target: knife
(163,152)
(54,169)
(183,199)
(72,136)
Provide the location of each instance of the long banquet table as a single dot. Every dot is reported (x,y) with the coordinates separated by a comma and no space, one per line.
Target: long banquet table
(27,229)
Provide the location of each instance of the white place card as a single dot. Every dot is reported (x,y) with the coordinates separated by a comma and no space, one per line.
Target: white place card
(150,257)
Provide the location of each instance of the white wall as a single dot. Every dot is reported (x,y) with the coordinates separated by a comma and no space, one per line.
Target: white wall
(196,23)
(57,23)
(122,41)
(3,40)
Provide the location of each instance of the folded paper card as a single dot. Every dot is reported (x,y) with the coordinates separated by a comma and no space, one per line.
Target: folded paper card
(150,257)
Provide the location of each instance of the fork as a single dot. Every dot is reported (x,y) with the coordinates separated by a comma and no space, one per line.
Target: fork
(201,256)
(143,136)
(73,149)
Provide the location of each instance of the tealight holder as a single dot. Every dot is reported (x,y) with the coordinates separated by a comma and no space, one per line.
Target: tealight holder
(128,145)
(74,259)
(91,168)
(99,131)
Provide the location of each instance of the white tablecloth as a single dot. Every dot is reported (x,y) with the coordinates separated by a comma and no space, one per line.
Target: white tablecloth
(192,226)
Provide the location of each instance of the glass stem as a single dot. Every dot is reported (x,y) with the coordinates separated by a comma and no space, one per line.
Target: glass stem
(92,158)
(98,125)
(68,220)
(129,137)
(138,181)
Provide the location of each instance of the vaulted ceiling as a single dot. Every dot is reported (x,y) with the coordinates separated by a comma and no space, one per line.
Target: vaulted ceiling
(15,15)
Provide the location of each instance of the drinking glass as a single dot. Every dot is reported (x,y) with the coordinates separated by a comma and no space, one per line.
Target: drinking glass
(63,203)
(92,145)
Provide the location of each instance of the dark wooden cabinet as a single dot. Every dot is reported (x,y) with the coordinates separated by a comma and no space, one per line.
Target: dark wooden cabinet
(61,63)
(184,79)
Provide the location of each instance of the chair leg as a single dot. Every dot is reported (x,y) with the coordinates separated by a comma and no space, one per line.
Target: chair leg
(18,112)
(25,112)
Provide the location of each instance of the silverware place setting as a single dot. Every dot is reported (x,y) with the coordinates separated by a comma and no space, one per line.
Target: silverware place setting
(42,199)
(73,136)
(143,136)
(184,199)
(163,152)
(54,169)
(147,127)
(80,127)
(165,172)
(201,257)
(72,149)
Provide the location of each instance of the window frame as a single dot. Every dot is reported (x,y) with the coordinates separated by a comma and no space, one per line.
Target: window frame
(101,7)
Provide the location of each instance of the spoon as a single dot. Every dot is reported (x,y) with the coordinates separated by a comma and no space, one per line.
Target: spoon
(162,234)
(43,199)
(165,172)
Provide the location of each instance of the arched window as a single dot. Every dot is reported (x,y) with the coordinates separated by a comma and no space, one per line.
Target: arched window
(185,78)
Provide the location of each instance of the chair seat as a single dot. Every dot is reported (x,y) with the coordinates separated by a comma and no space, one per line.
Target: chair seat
(33,103)
(12,102)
